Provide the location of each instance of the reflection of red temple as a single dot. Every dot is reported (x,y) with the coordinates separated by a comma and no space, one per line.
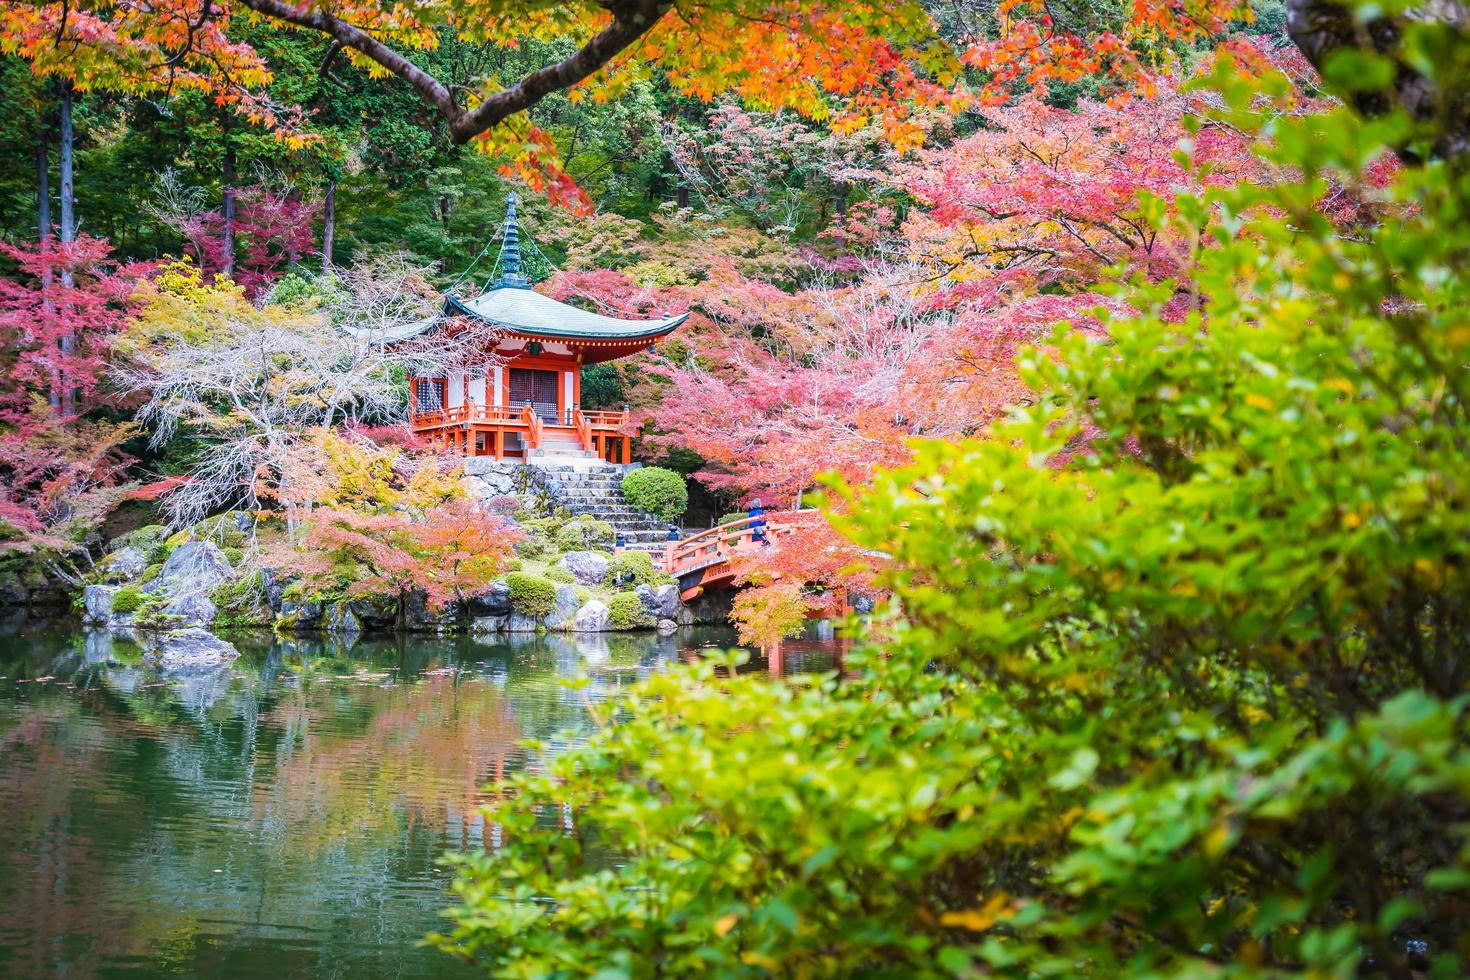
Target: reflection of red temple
(528,404)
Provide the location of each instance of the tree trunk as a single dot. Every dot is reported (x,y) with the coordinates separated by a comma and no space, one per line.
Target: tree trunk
(227,211)
(1321,28)
(293,257)
(683,196)
(842,212)
(43,233)
(444,212)
(68,229)
(329,225)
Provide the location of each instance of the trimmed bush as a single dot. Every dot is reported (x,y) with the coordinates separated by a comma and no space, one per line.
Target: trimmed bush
(585,534)
(631,568)
(625,612)
(128,599)
(558,574)
(531,595)
(658,491)
(234,556)
(739,515)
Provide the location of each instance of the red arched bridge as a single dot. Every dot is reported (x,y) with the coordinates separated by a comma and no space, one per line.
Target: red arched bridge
(706,560)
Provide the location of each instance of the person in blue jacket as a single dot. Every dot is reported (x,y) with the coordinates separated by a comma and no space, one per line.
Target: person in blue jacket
(758,529)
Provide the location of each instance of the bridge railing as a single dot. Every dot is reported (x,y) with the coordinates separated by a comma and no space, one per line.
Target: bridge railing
(719,544)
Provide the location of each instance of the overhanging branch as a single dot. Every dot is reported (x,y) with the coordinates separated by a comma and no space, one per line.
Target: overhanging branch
(631,19)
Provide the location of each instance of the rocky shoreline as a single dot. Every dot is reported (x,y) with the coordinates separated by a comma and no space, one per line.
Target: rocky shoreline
(572,573)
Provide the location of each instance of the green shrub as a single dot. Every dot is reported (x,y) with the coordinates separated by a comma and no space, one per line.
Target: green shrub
(127,599)
(1183,689)
(234,556)
(738,515)
(658,491)
(558,574)
(585,533)
(531,595)
(625,612)
(631,568)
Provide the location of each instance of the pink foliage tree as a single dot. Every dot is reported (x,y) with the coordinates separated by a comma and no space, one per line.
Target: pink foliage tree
(271,229)
(58,317)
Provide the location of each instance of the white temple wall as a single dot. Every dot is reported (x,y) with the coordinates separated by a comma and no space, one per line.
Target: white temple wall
(454,397)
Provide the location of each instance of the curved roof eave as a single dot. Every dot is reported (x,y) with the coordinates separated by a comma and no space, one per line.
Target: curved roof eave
(524,311)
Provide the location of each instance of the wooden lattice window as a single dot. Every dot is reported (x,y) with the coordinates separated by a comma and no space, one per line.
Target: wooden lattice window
(428,394)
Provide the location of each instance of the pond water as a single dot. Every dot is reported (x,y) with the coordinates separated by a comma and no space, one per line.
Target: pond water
(283,817)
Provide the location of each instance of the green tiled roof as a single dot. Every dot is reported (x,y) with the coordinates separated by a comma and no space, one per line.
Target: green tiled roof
(526,311)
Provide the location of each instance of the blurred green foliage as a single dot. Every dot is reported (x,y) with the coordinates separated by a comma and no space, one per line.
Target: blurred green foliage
(1179,683)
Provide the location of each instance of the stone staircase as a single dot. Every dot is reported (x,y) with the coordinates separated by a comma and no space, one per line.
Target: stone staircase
(556,448)
(596,490)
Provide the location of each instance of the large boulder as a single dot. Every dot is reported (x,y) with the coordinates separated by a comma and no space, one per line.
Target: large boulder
(591,618)
(13,592)
(194,566)
(274,589)
(193,608)
(342,620)
(299,615)
(494,601)
(587,567)
(669,602)
(377,614)
(517,623)
(649,599)
(420,618)
(97,603)
(125,565)
(565,610)
(189,649)
(489,624)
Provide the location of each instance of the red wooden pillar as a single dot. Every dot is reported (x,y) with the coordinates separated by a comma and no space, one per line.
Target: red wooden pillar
(499,438)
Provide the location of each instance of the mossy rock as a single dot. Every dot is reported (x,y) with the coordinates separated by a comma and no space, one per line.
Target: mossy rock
(127,600)
(585,533)
(631,569)
(536,547)
(626,612)
(531,595)
(147,537)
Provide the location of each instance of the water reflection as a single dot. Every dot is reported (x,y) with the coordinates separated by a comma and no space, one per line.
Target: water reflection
(280,817)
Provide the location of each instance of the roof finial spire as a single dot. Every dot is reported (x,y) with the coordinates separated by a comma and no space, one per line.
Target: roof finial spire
(510,248)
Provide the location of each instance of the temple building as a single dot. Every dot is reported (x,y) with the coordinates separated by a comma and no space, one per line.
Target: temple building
(526,402)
